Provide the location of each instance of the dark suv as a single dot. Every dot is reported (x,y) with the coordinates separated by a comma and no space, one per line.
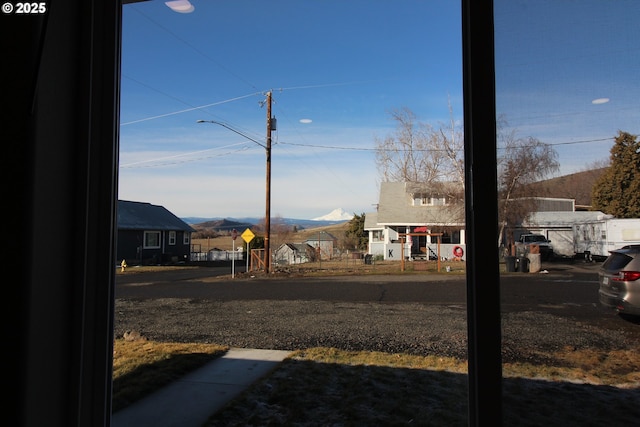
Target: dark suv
(620,280)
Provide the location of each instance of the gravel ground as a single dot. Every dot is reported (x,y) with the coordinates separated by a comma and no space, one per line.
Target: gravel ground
(409,328)
(373,395)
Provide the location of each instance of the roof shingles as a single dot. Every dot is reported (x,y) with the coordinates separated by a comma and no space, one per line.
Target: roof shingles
(145,216)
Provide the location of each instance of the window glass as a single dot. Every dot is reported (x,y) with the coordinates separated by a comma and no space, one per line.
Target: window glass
(343,79)
(567,85)
(369,92)
(151,239)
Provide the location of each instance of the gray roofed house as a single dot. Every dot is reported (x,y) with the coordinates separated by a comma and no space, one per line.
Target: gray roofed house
(324,244)
(406,207)
(403,203)
(150,234)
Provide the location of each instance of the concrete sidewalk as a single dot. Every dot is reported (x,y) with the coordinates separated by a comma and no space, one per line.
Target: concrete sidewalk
(190,401)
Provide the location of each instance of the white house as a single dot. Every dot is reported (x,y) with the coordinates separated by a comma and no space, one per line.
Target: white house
(422,214)
(428,218)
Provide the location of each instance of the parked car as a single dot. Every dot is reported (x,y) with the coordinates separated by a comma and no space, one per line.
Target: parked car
(619,278)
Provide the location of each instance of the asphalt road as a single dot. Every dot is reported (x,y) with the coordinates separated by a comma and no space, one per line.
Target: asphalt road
(411,313)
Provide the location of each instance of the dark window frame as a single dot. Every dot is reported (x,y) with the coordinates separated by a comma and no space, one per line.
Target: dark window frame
(64,128)
(148,244)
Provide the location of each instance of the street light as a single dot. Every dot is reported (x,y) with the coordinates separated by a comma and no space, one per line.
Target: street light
(267,147)
(232,130)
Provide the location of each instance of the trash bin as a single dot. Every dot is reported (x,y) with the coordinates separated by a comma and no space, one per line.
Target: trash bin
(510,262)
(368,259)
(523,264)
(534,263)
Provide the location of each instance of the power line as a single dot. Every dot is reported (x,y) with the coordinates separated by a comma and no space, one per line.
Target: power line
(328,147)
(154,162)
(321,85)
(190,109)
(581,142)
(141,163)
(333,147)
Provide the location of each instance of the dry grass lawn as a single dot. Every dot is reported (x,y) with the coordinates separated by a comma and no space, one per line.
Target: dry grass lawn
(320,387)
(141,367)
(373,388)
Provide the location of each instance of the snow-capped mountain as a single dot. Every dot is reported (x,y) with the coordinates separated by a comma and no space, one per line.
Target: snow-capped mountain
(335,215)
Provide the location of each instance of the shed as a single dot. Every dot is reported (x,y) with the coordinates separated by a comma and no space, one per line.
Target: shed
(294,253)
(324,243)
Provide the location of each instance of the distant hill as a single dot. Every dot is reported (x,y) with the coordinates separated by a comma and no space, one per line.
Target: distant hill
(224,242)
(336,216)
(306,223)
(336,230)
(221,225)
(573,186)
(225,225)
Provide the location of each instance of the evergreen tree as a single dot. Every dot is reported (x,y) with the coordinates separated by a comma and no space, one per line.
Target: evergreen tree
(355,236)
(617,192)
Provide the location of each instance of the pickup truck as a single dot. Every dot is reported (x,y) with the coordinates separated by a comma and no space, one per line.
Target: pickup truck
(526,240)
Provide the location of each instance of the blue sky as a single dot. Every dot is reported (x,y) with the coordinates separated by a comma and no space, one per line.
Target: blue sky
(554,60)
(336,69)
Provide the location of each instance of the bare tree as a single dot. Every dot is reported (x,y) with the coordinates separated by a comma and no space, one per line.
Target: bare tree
(432,158)
(420,153)
(523,161)
(453,146)
(281,232)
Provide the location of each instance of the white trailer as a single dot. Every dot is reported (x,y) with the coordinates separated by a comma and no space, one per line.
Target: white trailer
(594,239)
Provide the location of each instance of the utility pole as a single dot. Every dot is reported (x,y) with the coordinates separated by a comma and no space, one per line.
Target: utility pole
(271,125)
(267,215)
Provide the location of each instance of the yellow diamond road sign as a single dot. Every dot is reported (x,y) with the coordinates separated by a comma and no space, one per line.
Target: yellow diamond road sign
(247,235)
